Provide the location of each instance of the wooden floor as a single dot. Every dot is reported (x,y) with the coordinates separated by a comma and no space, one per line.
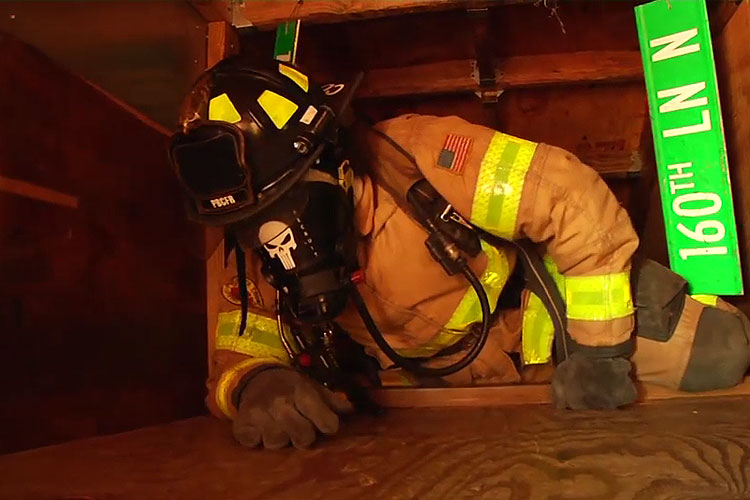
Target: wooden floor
(686,449)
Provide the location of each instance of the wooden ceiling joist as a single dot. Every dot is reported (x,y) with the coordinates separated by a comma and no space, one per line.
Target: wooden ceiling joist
(267,14)
(512,72)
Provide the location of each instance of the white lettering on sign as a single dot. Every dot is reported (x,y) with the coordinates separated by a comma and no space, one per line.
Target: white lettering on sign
(223,201)
(679,202)
(681,168)
(706,231)
(674,45)
(703,126)
(681,99)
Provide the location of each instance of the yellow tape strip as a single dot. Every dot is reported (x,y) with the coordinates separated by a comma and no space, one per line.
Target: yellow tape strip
(220,108)
(278,108)
(261,337)
(294,75)
(538,329)
(538,332)
(229,377)
(709,300)
(500,184)
(468,311)
(598,298)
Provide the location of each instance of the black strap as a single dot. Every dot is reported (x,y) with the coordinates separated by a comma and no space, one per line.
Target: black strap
(239,255)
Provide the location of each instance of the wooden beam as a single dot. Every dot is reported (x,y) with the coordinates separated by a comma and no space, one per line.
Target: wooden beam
(213,10)
(512,72)
(36,192)
(222,42)
(510,395)
(268,14)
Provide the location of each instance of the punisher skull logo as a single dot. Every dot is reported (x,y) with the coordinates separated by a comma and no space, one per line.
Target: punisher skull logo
(278,240)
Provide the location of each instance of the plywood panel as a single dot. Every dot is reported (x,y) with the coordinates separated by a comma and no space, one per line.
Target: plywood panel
(678,450)
(602,125)
(102,302)
(488,396)
(510,72)
(733,64)
(146,53)
(267,14)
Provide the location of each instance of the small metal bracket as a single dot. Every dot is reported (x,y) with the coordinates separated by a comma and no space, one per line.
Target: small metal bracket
(488,91)
(483,68)
(238,18)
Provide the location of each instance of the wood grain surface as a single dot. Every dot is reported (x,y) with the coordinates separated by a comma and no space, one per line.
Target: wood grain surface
(511,72)
(678,450)
(733,66)
(488,396)
(267,14)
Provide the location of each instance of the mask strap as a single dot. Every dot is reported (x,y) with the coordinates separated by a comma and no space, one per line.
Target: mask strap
(239,255)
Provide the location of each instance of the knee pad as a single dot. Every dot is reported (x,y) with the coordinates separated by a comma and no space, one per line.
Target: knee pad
(682,343)
(720,353)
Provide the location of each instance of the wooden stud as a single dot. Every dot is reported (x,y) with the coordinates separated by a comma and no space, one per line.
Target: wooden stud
(511,395)
(267,14)
(222,42)
(512,72)
(213,10)
(35,192)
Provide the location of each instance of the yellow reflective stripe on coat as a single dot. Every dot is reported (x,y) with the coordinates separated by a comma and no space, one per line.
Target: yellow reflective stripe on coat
(538,329)
(229,378)
(709,300)
(598,298)
(500,183)
(261,337)
(468,311)
(538,332)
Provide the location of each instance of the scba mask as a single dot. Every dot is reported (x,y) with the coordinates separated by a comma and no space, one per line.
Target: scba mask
(307,243)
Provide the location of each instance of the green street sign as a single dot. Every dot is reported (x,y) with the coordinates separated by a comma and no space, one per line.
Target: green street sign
(285,48)
(691,155)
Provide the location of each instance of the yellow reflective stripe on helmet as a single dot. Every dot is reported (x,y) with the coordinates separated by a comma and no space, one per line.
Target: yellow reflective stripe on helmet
(538,329)
(295,76)
(261,337)
(229,378)
(598,298)
(468,311)
(500,183)
(709,300)
(278,108)
(220,108)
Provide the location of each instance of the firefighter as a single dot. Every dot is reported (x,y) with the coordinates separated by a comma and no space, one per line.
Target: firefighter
(324,208)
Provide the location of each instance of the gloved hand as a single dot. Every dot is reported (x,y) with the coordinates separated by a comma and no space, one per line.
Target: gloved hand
(280,404)
(585,383)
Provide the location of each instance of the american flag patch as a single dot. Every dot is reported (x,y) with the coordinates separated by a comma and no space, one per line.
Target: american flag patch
(455,152)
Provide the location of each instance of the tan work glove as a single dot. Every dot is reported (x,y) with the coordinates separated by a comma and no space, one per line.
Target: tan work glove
(279,404)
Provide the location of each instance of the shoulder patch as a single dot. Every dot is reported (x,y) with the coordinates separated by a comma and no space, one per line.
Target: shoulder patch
(231,292)
(455,152)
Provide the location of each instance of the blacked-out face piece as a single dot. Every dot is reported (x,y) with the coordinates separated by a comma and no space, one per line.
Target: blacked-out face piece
(305,241)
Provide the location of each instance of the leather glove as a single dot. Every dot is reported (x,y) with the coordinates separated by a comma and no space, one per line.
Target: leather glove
(586,383)
(279,404)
